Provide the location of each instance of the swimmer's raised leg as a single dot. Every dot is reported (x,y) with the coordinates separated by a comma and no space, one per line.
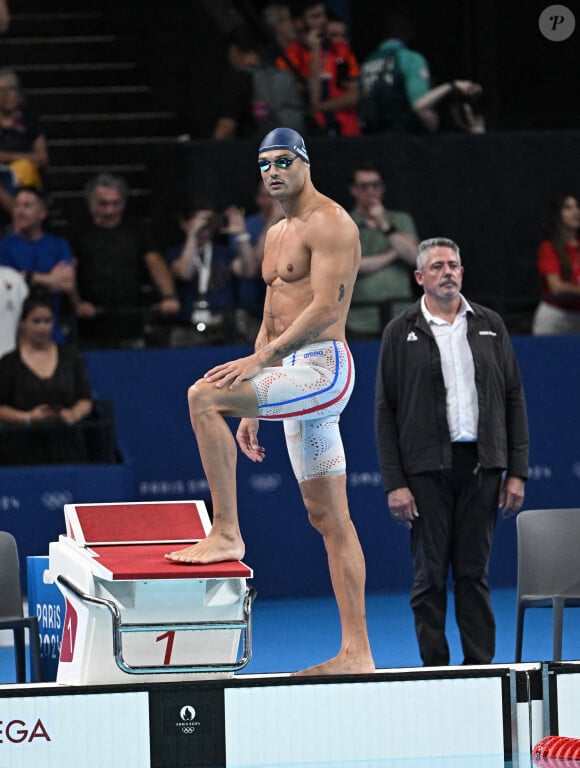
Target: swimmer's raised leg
(218,451)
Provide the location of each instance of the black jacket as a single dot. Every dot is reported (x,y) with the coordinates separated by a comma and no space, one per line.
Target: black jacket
(412,432)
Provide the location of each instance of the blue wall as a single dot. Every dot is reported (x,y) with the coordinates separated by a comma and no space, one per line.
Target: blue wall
(149,390)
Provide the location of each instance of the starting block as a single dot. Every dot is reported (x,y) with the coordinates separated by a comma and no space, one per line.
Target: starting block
(131,615)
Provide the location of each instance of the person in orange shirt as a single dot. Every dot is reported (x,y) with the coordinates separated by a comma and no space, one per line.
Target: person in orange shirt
(329,71)
(558,265)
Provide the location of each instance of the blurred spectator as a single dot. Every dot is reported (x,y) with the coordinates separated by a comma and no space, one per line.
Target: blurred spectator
(278,19)
(4,17)
(396,92)
(389,250)
(42,384)
(115,257)
(45,260)
(201,265)
(453,106)
(559,268)
(22,143)
(247,265)
(13,291)
(23,149)
(337,29)
(329,68)
(255,97)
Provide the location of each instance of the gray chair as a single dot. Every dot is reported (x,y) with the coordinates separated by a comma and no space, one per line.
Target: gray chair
(11,611)
(548,542)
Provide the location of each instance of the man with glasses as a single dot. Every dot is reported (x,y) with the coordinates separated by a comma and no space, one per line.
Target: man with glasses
(389,244)
(301,373)
(116,257)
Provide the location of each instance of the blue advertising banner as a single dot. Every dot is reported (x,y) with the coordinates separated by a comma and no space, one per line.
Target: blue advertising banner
(32,499)
(47,602)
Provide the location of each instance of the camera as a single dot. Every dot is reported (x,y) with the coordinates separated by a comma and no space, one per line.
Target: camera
(201,315)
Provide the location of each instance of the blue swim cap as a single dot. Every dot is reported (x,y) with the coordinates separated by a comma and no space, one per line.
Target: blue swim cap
(285,138)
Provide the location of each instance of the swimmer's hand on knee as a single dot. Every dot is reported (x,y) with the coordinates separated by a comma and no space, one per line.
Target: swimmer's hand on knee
(233,373)
(247,437)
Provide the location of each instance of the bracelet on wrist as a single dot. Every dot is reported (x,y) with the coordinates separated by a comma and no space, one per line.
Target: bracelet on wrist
(243,237)
(27,419)
(169,296)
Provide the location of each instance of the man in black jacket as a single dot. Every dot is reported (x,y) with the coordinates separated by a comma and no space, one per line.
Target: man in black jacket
(450,418)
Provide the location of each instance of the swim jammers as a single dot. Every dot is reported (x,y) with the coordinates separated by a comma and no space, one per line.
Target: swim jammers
(308,393)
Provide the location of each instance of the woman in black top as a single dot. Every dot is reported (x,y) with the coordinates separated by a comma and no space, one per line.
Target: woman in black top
(44,394)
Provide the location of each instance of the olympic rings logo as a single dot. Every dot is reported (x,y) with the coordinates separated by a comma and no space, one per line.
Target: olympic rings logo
(265,483)
(188,729)
(56,499)
(8,503)
(372,479)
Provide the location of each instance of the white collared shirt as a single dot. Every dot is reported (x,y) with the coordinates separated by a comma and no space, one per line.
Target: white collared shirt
(458,372)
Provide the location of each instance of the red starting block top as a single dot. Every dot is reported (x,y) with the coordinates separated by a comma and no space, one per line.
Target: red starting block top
(129,540)
(134,522)
(147,561)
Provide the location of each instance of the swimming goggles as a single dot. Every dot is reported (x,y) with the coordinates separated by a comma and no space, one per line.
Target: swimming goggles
(279,162)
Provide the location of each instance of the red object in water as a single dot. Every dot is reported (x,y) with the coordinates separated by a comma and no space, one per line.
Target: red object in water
(556,752)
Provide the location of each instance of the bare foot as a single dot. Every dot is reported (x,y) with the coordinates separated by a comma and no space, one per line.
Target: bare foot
(342,664)
(215,549)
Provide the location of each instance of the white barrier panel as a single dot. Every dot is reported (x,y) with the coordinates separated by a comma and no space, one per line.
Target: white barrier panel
(569,705)
(92,730)
(364,721)
(436,718)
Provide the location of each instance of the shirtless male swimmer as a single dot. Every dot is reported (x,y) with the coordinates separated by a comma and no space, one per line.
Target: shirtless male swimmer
(301,373)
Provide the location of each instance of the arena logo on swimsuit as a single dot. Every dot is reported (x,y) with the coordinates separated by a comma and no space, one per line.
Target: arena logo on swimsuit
(316,353)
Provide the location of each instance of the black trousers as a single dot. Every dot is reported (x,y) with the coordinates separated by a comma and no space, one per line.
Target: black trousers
(457,517)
